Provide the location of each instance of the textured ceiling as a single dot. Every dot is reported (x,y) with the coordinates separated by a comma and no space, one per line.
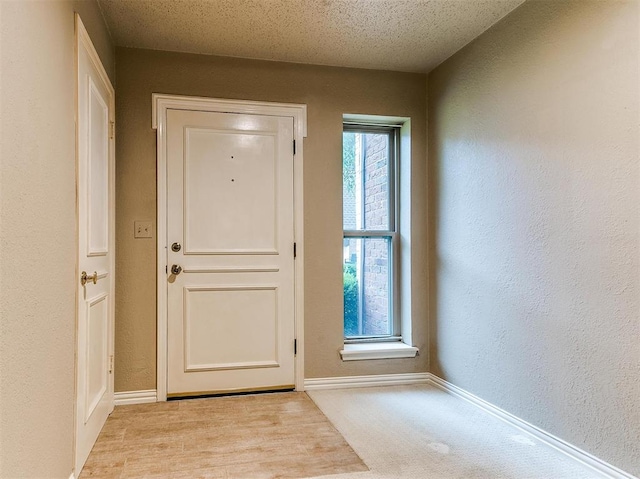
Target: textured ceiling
(402,35)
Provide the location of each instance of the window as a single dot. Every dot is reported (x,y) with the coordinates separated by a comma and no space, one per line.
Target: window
(370,233)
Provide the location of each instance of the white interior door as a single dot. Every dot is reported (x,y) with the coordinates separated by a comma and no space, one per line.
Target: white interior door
(230,232)
(96,241)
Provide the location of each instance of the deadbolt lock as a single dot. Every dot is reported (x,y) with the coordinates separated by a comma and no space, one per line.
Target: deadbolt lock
(176,269)
(175,247)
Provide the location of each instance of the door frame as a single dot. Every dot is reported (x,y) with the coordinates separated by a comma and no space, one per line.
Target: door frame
(83,41)
(161,103)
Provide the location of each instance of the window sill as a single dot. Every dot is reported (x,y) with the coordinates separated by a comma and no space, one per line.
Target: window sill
(362,351)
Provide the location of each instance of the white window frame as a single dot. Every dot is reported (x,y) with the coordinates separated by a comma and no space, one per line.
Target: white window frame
(377,348)
(393,133)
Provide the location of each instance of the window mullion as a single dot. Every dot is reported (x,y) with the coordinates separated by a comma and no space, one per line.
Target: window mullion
(368,234)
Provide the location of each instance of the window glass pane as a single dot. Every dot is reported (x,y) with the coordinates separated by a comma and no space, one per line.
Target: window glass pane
(367,287)
(365,181)
(376,181)
(349,180)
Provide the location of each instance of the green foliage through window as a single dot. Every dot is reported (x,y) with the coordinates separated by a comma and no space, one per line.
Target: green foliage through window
(349,162)
(350,300)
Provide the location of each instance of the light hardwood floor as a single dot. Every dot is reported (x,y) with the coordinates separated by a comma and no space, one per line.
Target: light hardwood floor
(262,436)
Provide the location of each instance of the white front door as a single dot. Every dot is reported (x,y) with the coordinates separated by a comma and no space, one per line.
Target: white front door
(96,247)
(230,252)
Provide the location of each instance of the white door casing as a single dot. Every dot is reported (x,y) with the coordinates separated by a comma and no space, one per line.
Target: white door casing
(95,169)
(227,195)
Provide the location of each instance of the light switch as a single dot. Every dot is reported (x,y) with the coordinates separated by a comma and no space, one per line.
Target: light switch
(142,229)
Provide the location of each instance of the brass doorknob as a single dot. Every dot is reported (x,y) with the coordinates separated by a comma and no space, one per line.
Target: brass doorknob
(176,269)
(85,278)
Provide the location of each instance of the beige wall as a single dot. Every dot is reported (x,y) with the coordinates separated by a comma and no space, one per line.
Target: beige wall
(38,233)
(534,177)
(328,92)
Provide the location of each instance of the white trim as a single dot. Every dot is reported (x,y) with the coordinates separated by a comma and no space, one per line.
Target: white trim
(83,36)
(72,476)
(135,397)
(315,384)
(571,451)
(177,102)
(404,195)
(160,104)
(388,350)
(250,269)
(378,120)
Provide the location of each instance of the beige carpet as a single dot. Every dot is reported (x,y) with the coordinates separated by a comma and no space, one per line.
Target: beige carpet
(264,436)
(414,432)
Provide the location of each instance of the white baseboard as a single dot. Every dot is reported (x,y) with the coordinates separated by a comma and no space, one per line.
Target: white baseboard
(366,381)
(575,453)
(135,397)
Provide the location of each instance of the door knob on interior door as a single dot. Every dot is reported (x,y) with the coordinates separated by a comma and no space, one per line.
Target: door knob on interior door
(85,278)
(175,247)
(176,269)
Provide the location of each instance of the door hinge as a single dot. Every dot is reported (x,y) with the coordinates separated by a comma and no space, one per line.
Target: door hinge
(294,147)
(111,364)
(295,347)
(295,252)
(112,129)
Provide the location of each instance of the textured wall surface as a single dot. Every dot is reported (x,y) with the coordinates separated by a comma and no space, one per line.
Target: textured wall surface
(328,92)
(534,177)
(38,234)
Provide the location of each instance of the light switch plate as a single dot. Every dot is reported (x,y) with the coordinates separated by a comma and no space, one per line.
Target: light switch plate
(142,229)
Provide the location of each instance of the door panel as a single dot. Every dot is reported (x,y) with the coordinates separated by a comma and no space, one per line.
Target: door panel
(97,171)
(97,354)
(230,192)
(213,345)
(96,241)
(230,205)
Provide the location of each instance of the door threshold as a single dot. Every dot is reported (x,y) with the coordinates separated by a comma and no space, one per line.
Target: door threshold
(215,394)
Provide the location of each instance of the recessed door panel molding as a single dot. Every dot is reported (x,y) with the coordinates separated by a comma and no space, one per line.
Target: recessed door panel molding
(230,327)
(244,269)
(230,192)
(98,171)
(227,298)
(97,370)
(95,162)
